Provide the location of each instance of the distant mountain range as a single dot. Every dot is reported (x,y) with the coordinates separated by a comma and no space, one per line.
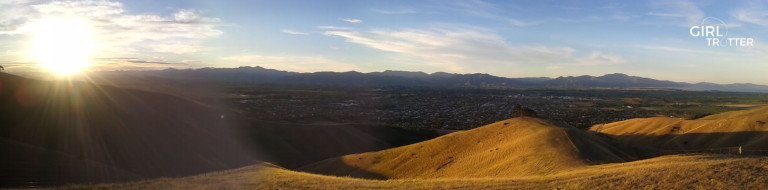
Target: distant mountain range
(389,78)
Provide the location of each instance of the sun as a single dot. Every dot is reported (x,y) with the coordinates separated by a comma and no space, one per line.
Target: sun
(63,45)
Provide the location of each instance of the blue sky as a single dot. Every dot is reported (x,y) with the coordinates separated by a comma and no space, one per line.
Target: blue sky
(511,39)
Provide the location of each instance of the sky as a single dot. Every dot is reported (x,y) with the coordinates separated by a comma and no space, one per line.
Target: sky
(504,38)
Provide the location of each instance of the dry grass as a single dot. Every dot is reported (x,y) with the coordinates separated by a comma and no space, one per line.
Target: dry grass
(668,172)
(745,128)
(525,153)
(510,148)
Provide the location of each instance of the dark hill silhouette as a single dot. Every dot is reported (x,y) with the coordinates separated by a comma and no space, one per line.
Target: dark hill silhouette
(57,132)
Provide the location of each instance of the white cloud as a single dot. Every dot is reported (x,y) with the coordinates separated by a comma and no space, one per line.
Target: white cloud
(601,59)
(292,63)
(12,16)
(754,17)
(293,32)
(463,49)
(119,31)
(333,28)
(187,16)
(352,20)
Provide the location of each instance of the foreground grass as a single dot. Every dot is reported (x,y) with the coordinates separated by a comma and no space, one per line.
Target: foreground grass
(667,172)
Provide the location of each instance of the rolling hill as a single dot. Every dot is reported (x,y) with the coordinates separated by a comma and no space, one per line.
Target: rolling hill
(521,153)
(511,148)
(667,172)
(58,132)
(745,128)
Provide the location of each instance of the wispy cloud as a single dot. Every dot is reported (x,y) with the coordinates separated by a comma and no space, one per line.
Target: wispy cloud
(333,28)
(134,63)
(683,10)
(13,15)
(610,12)
(465,48)
(352,20)
(754,13)
(676,49)
(293,32)
(138,60)
(291,62)
(477,8)
(522,23)
(483,9)
(600,59)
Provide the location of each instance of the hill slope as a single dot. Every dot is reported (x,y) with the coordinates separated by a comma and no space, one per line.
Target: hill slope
(745,128)
(293,145)
(519,153)
(515,147)
(668,172)
(58,132)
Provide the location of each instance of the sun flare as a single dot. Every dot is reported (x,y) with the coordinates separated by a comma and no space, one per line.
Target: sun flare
(63,45)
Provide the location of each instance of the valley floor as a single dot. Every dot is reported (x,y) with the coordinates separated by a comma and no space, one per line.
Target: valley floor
(666,172)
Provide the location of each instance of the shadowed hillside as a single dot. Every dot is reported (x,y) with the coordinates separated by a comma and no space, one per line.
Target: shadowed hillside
(293,145)
(56,132)
(745,128)
(510,148)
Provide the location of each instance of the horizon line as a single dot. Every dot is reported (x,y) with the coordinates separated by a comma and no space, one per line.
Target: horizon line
(456,73)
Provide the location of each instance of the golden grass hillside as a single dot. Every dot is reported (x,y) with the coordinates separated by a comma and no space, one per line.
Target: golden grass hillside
(519,153)
(745,128)
(510,148)
(668,172)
